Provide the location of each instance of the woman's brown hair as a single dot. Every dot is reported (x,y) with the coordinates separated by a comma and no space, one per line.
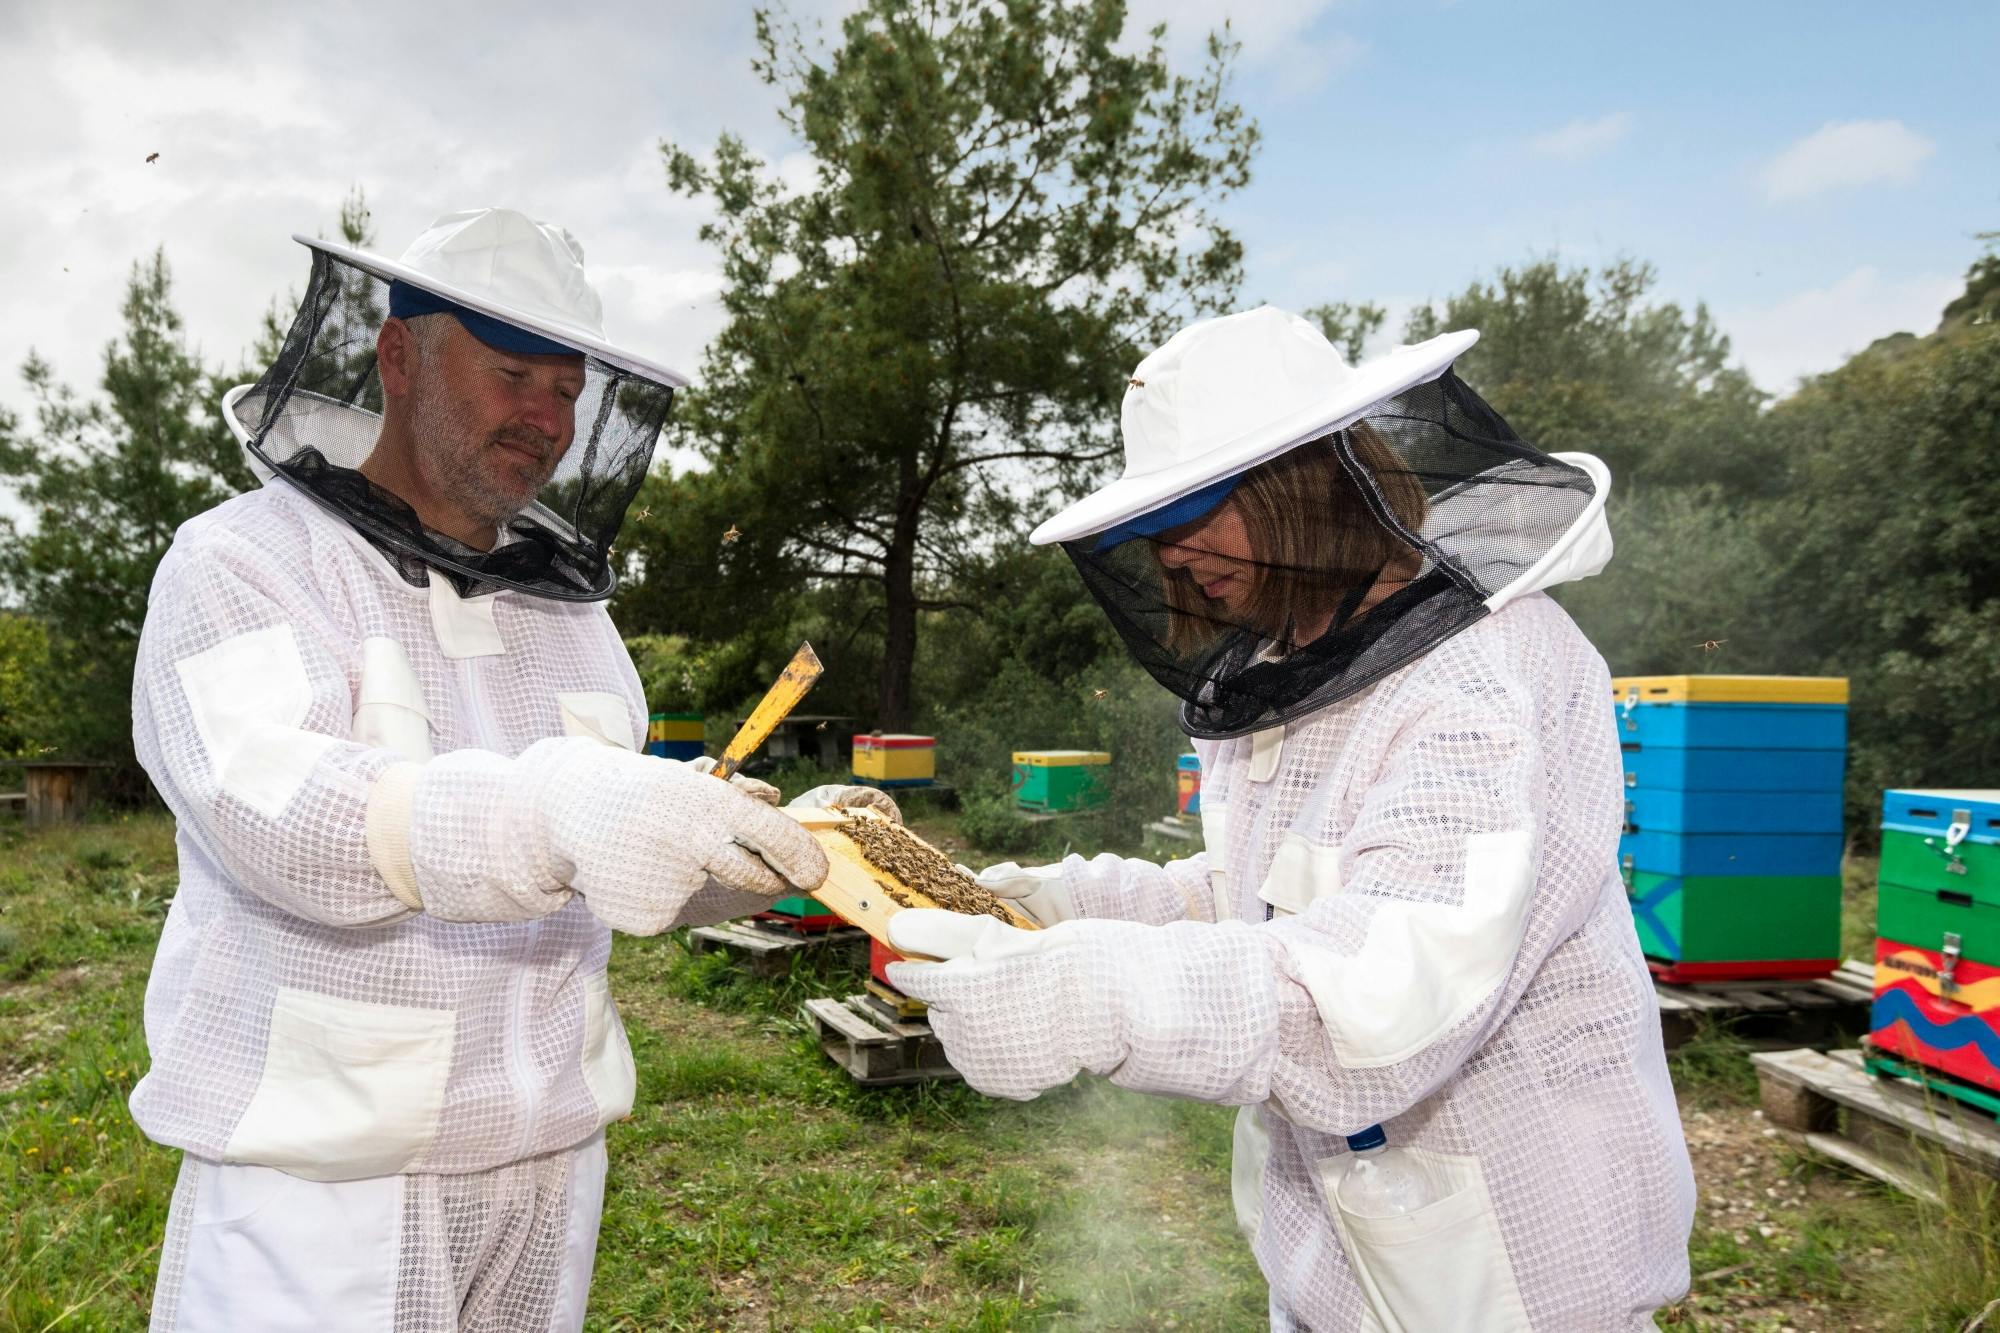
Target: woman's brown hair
(1314,536)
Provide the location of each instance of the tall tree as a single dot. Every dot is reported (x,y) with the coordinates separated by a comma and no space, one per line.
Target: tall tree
(106,482)
(933,334)
(1576,359)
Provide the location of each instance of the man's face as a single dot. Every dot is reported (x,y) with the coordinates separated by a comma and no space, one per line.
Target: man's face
(490,426)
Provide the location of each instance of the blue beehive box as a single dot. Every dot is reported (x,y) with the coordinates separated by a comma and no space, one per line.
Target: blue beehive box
(1733,822)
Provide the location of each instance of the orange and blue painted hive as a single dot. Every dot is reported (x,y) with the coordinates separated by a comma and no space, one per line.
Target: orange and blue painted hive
(1937,955)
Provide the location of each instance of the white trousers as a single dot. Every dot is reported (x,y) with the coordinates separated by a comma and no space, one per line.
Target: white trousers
(510,1250)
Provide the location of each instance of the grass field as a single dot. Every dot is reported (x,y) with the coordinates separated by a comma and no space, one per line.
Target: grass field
(757,1188)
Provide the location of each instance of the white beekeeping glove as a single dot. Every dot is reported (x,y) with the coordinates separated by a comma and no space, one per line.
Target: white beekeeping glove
(637,837)
(1040,891)
(835,793)
(751,787)
(1188,1009)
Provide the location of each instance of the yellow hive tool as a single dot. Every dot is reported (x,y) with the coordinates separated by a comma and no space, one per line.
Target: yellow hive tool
(798,676)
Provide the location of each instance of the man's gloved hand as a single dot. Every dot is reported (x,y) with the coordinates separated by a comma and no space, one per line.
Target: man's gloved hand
(835,793)
(637,837)
(1040,891)
(751,787)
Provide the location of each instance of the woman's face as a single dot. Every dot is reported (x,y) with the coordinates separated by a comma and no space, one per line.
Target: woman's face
(1215,551)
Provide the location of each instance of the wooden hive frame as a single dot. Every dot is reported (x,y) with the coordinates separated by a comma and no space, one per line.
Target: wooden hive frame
(857,890)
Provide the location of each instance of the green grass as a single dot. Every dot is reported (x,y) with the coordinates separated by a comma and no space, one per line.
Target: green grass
(756,1186)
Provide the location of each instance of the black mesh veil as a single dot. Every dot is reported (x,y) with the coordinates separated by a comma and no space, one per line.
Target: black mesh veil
(1340,560)
(314,417)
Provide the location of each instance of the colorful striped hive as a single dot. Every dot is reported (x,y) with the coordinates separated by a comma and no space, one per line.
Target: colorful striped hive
(1187,785)
(895,760)
(1732,840)
(1056,780)
(674,735)
(1937,955)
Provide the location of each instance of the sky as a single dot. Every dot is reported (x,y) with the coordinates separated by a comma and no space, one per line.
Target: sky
(1814,172)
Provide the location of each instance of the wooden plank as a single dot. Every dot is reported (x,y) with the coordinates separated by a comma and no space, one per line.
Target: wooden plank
(847,1023)
(1841,1078)
(1802,998)
(1755,1001)
(1693,999)
(1875,1167)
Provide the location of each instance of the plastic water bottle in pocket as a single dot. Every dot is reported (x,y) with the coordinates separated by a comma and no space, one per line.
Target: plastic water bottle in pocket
(1380,1181)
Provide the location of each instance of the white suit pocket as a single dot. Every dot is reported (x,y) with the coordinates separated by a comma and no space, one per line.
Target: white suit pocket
(1301,873)
(349,1089)
(1249,1158)
(272,1252)
(607,1055)
(391,714)
(598,715)
(1440,1269)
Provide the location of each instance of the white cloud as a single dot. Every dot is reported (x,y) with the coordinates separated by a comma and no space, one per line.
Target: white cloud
(1583,138)
(1841,155)
(1281,48)
(1815,330)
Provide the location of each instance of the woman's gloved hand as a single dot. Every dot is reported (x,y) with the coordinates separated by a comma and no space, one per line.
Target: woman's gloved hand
(1188,1009)
(1040,891)
(850,796)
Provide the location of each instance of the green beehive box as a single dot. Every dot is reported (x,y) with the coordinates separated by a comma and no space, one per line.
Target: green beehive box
(1054,780)
(1736,918)
(1971,868)
(1923,917)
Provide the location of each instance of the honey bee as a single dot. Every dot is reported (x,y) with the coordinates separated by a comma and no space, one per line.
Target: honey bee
(1097,696)
(152,157)
(1711,645)
(644,514)
(731,535)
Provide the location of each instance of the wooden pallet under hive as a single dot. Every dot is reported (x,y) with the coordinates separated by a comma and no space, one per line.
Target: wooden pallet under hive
(1889,1129)
(1824,1011)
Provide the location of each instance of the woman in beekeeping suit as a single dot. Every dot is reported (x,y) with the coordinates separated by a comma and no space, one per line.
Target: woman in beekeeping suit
(1409,911)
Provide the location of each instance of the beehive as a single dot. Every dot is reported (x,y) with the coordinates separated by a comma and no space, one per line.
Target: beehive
(1937,951)
(1733,826)
(675,735)
(895,760)
(1056,780)
(1187,785)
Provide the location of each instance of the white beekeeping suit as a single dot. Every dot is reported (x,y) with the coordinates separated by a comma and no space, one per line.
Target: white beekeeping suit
(1408,912)
(410,809)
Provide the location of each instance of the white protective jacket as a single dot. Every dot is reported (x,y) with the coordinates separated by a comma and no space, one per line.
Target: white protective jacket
(299,1014)
(1432,866)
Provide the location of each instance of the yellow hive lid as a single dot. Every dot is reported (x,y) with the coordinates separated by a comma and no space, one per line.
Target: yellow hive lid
(1730,689)
(1061,758)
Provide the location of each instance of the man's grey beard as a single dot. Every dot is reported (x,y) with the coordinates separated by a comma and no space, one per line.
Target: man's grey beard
(450,458)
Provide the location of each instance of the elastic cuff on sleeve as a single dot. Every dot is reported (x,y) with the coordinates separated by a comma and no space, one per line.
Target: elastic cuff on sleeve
(388,831)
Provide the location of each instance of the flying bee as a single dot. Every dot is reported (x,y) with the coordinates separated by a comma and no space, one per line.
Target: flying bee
(1711,645)
(820,727)
(1098,696)
(644,514)
(730,536)
(152,157)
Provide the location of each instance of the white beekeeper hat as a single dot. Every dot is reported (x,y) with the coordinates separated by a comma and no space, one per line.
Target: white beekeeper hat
(1226,394)
(506,267)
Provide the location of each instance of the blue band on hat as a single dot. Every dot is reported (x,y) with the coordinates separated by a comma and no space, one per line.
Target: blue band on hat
(407,301)
(1184,510)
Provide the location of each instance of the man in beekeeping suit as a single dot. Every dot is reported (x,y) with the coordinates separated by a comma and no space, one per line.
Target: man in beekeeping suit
(400,737)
